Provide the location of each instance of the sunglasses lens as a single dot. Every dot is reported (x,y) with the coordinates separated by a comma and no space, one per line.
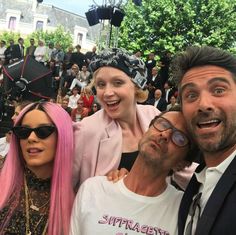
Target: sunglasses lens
(44,131)
(21,132)
(179,138)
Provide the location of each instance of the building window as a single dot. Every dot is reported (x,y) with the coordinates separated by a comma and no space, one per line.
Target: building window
(39,25)
(12,23)
(79,38)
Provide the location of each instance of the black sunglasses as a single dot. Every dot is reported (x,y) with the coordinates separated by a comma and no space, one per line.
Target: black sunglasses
(42,132)
(177,136)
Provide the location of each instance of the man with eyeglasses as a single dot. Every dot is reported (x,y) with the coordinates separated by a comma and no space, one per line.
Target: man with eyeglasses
(207,91)
(142,202)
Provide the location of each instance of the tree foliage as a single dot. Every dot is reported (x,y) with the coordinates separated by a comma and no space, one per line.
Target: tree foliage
(160,25)
(60,35)
(7,36)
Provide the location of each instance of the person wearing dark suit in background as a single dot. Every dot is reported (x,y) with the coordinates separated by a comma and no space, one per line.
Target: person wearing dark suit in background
(165,64)
(18,50)
(169,91)
(158,101)
(207,91)
(8,51)
(156,79)
(150,63)
(90,54)
(78,57)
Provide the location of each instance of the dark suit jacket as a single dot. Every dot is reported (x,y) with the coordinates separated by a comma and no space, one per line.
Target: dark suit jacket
(16,52)
(161,104)
(171,92)
(219,215)
(157,83)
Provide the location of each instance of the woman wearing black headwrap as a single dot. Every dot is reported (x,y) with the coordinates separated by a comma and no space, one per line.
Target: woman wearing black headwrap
(108,140)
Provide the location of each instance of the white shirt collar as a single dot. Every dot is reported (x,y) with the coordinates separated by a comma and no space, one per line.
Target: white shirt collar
(220,168)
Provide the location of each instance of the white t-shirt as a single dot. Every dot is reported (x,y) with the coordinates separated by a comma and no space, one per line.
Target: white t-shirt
(73,101)
(107,208)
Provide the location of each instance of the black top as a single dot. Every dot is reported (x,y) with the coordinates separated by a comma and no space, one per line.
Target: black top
(127,160)
(40,195)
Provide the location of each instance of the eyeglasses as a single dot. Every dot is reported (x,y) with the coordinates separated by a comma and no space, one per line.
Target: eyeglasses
(42,132)
(177,136)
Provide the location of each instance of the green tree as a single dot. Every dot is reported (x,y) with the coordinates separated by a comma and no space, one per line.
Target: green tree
(60,35)
(160,25)
(7,36)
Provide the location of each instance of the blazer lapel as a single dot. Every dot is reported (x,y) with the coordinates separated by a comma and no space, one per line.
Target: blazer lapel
(216,200)
(108,159)
(186,201)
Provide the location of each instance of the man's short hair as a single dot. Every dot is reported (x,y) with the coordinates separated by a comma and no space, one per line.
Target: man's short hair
(20,39)
(193,152)
(200,56)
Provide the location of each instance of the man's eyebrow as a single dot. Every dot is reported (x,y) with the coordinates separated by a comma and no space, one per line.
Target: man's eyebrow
(211,81)
(218,79)
(185,86)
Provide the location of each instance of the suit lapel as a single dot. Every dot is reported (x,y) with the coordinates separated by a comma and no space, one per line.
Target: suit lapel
(216,200)
(186,201)
(106,158)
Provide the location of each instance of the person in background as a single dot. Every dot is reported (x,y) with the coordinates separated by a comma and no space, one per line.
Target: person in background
(2,52)
(8,51)
(138,54)
(74,98)
(84,76)
(36,179)
(88,98)
(158,101)
(81,79)
(90,54)
(169,90)
(150,63)
(49,50)
(4,147)
(18,107)
(173,103)
(79,112)
(95,107)
(31,49)
(40,52)
(64,105)
(67,57)
(115,130)
(17,50)
(165,61)
(57,56)
(78,57)
(156,79)
(62,94)
(72,77)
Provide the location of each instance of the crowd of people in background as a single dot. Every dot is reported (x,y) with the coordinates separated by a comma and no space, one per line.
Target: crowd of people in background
(70,68)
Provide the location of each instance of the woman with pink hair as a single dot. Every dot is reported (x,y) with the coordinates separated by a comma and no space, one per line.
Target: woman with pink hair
(36,180)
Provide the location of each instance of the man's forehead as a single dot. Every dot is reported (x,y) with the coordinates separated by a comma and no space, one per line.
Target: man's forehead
(205,72)
(176,118)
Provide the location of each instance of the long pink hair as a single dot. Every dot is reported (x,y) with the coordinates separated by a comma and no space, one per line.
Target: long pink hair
(62,195)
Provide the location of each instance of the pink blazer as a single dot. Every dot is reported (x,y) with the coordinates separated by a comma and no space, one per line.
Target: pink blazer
(98,142)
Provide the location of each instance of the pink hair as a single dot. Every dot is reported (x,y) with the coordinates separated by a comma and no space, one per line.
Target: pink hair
(62,195)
